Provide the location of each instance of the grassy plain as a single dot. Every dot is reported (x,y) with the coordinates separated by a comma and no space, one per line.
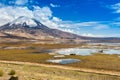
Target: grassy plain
(32,72)
(34,53)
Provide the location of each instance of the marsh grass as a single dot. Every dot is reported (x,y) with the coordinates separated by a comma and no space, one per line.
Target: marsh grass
(98,61)
(46,46)
(23,55)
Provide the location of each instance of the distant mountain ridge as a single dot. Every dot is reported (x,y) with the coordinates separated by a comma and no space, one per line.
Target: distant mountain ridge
(28,28)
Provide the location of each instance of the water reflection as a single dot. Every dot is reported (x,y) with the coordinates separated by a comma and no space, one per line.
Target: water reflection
(64,61)
(111,51)
(78,51)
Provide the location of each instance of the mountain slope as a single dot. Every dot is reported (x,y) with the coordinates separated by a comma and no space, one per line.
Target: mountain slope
(28,28)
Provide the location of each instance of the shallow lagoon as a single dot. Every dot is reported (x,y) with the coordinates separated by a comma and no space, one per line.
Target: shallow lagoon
(111,51)
(76,51)
(64,61)
(84,52)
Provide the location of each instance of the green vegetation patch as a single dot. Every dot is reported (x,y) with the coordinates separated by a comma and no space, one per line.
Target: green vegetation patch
(24,55)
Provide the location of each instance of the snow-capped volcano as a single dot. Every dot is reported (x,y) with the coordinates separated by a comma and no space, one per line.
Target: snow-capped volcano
(31,28)
(23,22)
(26,27)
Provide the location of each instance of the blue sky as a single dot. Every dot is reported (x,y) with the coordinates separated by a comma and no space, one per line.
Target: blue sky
(96,18)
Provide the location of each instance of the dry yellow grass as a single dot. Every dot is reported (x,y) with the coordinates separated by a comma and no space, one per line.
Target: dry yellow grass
(32,72)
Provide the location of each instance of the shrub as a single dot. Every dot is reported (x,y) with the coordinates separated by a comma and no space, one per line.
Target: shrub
(12,72)
(13,78)
(1,73)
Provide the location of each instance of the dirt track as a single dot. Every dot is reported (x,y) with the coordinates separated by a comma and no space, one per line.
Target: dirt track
(64,67)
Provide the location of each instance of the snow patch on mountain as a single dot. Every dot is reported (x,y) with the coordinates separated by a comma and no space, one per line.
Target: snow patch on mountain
(25,21)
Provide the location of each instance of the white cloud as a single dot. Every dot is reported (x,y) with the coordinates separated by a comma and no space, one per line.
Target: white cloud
(42,13)
(53,5)
(78,24)
(10,13)
(91,35)
(95,25)
(15,2)
(116,23)
(55,19)
(116,7)
(101,26)
(21,2)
